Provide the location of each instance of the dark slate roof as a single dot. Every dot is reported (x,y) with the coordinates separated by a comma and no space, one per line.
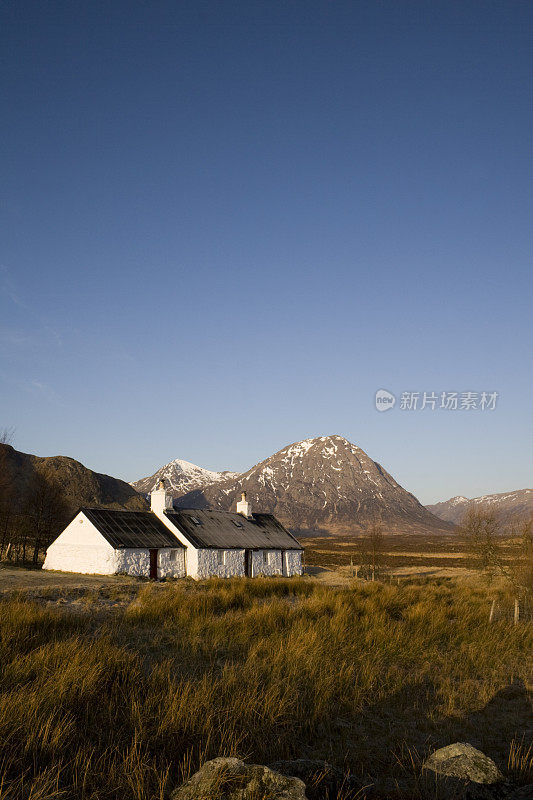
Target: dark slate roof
(131,528)
(227,529)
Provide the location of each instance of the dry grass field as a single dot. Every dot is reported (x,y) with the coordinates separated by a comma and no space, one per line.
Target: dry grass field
(121,690)
(399,551)
(406,555)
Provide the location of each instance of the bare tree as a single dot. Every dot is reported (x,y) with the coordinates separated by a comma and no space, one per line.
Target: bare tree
(499,551)
(520,567)
(7,494)
(45,514)
(7,435)
(480,531)
(371,550)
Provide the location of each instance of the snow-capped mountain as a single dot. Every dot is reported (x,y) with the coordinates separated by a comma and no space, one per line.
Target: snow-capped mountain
(181,477)
(326,483)
(505,504)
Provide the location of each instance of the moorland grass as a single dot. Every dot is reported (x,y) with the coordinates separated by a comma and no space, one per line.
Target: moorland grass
(126,704)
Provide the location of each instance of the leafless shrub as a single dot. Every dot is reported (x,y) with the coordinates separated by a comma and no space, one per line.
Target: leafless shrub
(506,552)
(371,551)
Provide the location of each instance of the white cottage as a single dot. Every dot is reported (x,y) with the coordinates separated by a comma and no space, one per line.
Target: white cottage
(103,541)
(168,542)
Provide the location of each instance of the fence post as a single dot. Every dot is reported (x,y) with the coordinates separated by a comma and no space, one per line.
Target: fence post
(516,611)
(492,610)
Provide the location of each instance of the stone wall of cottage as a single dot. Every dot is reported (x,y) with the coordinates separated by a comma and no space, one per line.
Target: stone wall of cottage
(208,564)
(293,562)
(267,562)
(171,562)
(136,561)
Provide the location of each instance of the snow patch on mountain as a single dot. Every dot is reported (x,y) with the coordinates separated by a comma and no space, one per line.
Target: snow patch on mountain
(181,477)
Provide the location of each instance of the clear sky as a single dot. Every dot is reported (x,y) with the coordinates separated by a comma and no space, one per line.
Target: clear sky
(225,225)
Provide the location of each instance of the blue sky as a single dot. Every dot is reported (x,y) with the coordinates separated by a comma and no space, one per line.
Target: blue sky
(227,224)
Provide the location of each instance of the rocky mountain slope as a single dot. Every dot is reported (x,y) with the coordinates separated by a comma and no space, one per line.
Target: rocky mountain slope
(322,484)
(507,505)
(181,477)
(80,485)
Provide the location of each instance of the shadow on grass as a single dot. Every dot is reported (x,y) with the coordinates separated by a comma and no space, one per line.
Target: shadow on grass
(396,734)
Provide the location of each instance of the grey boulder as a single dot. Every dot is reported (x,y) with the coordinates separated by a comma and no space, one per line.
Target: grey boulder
(461,771)
(461,760)
(232,779)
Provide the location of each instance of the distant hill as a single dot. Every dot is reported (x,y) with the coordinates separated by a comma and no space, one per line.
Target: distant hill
(507,505)
(181,477)
(79,485)
(323,484)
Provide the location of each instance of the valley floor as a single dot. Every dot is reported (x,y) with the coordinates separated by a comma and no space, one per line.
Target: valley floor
(400,556)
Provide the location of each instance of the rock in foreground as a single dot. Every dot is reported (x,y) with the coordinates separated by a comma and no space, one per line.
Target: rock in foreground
(461,760)
(460,772)
(231,779)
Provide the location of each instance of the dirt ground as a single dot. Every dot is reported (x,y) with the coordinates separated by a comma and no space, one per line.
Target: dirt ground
(28,580)
(18,578)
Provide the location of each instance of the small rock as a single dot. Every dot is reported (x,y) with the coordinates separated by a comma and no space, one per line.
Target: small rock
(232,779)
(461,760)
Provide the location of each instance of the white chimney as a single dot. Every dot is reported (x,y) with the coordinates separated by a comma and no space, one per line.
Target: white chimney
(160,500)
(244,507)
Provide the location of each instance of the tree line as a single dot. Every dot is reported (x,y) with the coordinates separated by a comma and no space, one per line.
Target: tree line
(32,512)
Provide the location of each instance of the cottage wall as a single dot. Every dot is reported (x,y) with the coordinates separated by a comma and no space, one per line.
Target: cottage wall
(273,565)
(208,566)
(168,567)
(204,563)
(136,561)
(293,563)
(191,561)
(133,561)
(81,548)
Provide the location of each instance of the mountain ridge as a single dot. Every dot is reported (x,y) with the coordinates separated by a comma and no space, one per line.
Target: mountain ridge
(507,505)
(79,485)
(322,484)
